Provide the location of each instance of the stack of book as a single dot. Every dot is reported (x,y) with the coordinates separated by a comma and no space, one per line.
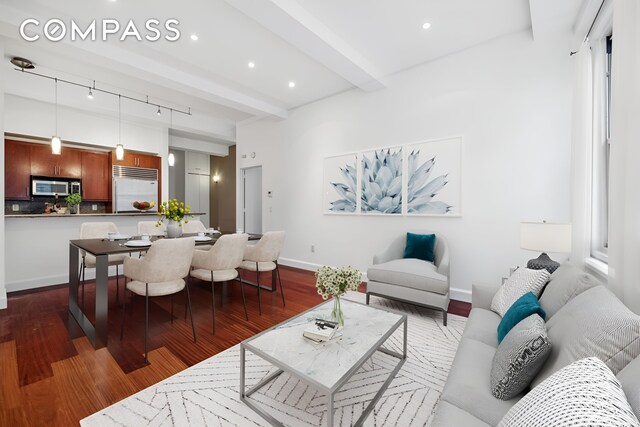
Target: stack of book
(320,330)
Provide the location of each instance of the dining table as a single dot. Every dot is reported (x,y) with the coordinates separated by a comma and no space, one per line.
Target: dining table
(101,248)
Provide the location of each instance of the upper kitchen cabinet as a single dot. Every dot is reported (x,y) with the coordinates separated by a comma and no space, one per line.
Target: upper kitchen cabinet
(17,168)
(68,164)
(197,163)
(95,176)
(137,160)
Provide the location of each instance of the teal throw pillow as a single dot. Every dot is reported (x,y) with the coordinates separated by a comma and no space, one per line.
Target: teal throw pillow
(420,246)
(524,307)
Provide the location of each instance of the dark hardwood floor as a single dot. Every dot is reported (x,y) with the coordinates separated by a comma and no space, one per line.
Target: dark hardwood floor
(51,375)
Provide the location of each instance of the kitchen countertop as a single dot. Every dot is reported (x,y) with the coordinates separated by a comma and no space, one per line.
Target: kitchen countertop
(138,214)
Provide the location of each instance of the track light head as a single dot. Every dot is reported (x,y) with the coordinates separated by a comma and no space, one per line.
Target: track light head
(159,112)
(90,96)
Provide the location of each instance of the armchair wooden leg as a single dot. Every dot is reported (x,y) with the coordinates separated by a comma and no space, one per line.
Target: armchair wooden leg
(367,298)
(193,327)
(146,324)
(280,282)
(244,301)
(258,281)
(172,309)
(444,317)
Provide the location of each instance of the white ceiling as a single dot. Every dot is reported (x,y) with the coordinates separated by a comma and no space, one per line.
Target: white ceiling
(325,46)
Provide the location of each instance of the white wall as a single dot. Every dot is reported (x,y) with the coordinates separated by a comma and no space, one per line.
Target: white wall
(36,118)
(3,291)
(509,98)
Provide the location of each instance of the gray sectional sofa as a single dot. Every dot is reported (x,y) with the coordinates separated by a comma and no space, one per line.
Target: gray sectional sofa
(577,305)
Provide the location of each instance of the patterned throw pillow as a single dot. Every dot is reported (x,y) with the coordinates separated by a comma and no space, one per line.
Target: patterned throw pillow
(585,393)
(519,357)
(523,280)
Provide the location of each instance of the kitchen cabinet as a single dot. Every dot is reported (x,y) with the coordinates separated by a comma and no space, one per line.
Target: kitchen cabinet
(137,160)
(96,176)
(68,164)
(196,195)
(197,163)
(17,170)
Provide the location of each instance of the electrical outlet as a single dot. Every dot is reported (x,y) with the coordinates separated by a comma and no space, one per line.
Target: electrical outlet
(15,208)
(94,207)
(313,249)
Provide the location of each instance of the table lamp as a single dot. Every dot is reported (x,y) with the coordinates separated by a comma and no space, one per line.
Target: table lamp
(545,237)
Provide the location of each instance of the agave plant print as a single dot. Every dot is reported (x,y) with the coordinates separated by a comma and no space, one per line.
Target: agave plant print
(433,184)
(340,175)
(381,182)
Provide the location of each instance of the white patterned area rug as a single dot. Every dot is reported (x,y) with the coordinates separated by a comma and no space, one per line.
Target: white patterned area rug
(207,394)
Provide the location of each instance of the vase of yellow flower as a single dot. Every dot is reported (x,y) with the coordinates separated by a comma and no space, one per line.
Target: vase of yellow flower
(175,212)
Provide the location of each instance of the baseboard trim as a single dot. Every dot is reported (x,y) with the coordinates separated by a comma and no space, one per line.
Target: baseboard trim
(456,293)
(3,299)
(41,282)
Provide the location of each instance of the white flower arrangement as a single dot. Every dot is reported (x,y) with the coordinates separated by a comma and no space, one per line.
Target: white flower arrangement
(337,281)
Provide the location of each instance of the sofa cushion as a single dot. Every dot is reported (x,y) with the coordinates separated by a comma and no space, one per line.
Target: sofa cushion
(524,307)
(481,326)
(448,415)
(410,273)
(594,323)
(468,386)
(566,282)
(420,246)
(629,378)
(523,280)
(519,357)
(584,393)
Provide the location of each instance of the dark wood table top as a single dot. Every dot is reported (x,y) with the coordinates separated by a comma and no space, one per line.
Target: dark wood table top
(107,247)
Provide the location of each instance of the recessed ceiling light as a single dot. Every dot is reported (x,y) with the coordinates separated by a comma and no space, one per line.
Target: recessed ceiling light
(426,26)
(292,84)
(251,64)
(194,37)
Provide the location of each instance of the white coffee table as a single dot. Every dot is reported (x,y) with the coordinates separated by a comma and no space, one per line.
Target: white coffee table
(326,366)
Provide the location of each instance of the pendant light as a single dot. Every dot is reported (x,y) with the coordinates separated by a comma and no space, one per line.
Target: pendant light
(56,143)
(119,147)
(171,159)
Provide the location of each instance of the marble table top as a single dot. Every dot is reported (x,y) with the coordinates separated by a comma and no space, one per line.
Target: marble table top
(326,364)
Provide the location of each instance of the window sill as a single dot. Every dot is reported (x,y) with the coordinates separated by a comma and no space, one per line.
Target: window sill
(598,267)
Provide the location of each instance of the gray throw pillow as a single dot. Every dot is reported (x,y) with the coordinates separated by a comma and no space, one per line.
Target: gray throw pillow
(519,357)
(594,323)
(522,280)
(567,282)
(584,393)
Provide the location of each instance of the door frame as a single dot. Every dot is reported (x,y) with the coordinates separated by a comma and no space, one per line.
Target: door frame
(243,209)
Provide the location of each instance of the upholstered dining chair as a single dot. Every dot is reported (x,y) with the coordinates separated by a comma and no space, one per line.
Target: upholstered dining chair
(219,264)
(193,226)
(98,230)
(161,272)
(263,257)
(151,228)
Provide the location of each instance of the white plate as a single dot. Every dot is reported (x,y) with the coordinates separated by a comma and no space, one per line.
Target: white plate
(203,239)
(213,231)
(138,243)
(119,237)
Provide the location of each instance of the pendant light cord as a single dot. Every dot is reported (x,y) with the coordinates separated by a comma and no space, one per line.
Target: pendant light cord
(56,96)
(119,121)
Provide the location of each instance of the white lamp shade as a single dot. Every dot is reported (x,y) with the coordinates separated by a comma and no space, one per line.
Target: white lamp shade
(120,152)
(545,237)
(56,145)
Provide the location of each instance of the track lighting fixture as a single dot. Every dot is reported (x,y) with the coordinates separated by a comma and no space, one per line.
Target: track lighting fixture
(158,112)
(90,96)
(119,147)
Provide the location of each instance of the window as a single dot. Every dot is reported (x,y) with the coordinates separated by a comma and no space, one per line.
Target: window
(601,154)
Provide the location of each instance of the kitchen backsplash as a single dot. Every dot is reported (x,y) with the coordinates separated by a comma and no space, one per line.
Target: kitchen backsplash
(38,206)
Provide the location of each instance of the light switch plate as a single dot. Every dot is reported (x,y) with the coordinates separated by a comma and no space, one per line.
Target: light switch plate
(15,208)
(94,207)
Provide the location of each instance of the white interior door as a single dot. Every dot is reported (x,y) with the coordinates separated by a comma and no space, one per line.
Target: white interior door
(204,199)
(192,192)
(252,199)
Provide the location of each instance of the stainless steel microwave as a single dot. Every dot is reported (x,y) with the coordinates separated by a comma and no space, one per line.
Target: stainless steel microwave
(52,187)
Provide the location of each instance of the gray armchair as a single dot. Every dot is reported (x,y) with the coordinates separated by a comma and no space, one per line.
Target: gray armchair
(411,280)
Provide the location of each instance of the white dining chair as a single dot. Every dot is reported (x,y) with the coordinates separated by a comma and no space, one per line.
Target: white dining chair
(151,228)
(263,257)
(98,230)
(161,272)
(193,226)
(219,264)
